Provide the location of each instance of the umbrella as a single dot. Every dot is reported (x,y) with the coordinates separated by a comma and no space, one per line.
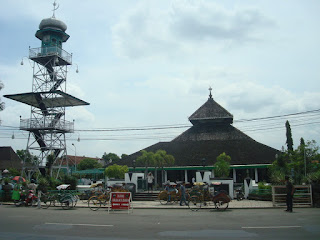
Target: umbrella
(96,185)
(63,186)
(198,183)
(18,179)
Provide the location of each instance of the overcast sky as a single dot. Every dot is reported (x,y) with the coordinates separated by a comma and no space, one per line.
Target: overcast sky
(150,63)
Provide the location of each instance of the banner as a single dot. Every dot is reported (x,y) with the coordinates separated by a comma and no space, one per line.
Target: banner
(120,201)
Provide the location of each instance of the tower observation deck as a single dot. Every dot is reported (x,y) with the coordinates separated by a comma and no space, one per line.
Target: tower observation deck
(48,99)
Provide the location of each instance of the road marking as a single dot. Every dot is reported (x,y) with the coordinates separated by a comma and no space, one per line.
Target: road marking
(272,227)
(80,224)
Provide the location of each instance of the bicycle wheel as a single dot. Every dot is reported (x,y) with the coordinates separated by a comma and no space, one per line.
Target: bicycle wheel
(76,199)
(94,203)
(194,203)
(45,199)
(163,198)
(84,197)
(221,204)
(34,203)
(67,203)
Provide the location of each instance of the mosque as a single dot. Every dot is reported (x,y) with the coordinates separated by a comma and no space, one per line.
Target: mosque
(196,149)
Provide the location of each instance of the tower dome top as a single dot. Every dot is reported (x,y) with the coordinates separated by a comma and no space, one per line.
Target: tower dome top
(52,23)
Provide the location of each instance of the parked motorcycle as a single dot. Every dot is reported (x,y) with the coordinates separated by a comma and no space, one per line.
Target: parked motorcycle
(239,194)
(29,199)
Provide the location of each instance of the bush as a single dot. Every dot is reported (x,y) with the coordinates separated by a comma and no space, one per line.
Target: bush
(264,188)
(43,184)
(314,177)
(54,183)
(70,180)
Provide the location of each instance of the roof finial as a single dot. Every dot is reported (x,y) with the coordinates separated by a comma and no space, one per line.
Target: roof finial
(54,8)
(210,95)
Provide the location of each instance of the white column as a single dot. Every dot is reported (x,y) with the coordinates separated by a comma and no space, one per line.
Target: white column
(234,175)
(186,175)
(165,176)
(256,175)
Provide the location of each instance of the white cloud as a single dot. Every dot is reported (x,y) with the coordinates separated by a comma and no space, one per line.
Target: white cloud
(185,26)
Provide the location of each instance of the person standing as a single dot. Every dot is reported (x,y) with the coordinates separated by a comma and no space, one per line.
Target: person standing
(183,193)
(290,192)
(150,181)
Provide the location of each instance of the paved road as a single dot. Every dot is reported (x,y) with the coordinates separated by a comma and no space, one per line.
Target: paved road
(82,223)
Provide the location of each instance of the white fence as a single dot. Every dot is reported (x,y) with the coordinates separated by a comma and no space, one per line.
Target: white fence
(301,197)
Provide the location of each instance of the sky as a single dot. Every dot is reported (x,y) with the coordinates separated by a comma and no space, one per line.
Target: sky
(145,63)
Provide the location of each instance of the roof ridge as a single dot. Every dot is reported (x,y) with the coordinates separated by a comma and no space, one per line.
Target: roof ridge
(212,111)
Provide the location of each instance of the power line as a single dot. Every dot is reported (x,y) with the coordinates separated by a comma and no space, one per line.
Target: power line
(278,116)
(271,123)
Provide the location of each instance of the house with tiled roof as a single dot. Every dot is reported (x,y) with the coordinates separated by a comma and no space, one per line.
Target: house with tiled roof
(9,159)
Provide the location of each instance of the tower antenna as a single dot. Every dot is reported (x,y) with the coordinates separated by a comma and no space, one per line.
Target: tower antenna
(210,89)
(55,7)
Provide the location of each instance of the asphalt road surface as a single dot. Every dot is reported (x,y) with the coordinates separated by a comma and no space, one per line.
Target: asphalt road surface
(82,223)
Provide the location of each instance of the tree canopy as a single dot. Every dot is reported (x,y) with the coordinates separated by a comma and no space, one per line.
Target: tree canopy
(88,163)
(116,171)
(146,159)
(302,164)
(158,159)
(50,162)
(162,159)
(110,158)
(26,156)
(222,166)
(289,136)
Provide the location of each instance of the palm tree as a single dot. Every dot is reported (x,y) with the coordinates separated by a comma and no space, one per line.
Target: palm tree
(163,159)
(50,161)
(146,159)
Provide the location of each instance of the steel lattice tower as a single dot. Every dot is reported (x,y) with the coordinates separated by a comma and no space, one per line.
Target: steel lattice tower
(47,125)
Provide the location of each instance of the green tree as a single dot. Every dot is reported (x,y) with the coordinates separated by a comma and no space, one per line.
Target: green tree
(88,163)
(110,158)
(289,136)
(162,159)
(72,180)
(303,160)
(146,159)
(14,172)
(50,161)
(26,156)
(116,171)
(222,166)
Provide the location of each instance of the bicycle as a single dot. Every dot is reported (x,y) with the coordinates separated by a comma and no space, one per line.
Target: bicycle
(95,202)
(201,196)
(66,199)
(166,197)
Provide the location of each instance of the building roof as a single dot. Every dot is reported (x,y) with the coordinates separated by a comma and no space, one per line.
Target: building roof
(211,135)
(9,159)
(73,160)
(191,153)
(211,112)
(205,132)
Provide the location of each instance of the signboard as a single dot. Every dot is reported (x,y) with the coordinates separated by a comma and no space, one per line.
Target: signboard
(120,201)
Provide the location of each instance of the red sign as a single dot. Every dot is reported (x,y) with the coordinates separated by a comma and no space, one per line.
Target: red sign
(120,200)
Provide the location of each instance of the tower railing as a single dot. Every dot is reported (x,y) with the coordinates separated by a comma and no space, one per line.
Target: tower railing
(46,124)
(50,51)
